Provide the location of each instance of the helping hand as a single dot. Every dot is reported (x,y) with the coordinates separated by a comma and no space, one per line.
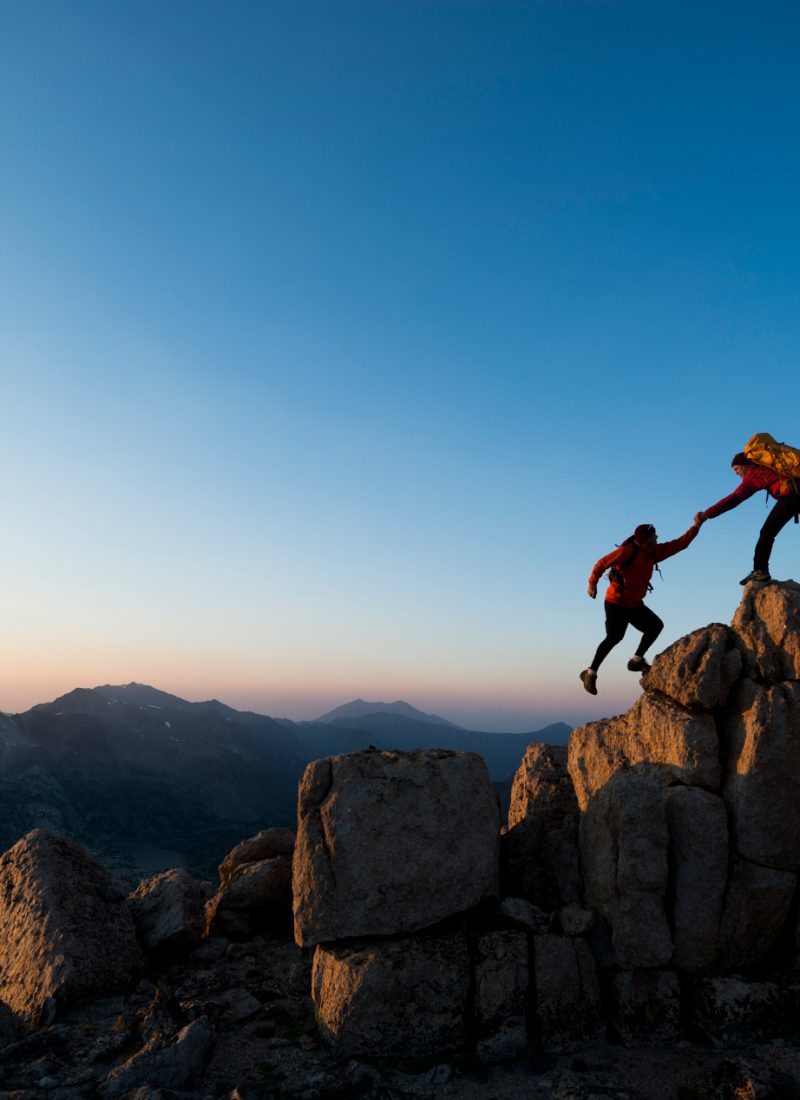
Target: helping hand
(700,519)
(592,590)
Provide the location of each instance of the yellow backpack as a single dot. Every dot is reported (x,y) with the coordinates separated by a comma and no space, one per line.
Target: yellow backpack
(780,457)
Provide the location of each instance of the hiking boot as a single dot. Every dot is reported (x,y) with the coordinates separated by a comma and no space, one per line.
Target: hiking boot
(761,576)
(638,664)
(589,680)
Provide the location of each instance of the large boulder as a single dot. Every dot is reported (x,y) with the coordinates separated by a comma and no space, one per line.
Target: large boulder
(624,843)
(65,928)
(567,1009)
(539,850)
(404,997)
(757,905)
(391,842)
(761,735)
(730,1008)
(699,669)
(656,733)
(256,898)
(268,844)
(768,626)
(698,858)
(169,911)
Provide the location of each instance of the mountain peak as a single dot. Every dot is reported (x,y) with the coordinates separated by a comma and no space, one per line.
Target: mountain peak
(358,708)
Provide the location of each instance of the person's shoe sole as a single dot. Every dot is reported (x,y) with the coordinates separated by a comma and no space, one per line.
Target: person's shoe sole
(591,685)
(750,579)
(641,666)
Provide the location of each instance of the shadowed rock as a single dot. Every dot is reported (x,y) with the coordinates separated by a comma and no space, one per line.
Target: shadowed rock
(501,990)
(169,911)
(67,932)
(646,1006)
(398,997)
(756,906)
(624,839)
(567,1007)
(539,851)
(761,734)
(390,842)
(268,844)
(256,898)
(698,859)
(173,1064)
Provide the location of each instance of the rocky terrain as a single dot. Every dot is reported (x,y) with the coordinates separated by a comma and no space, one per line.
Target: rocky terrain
(631,931)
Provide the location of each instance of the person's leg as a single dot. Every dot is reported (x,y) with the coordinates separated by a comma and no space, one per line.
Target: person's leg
(642,618)
(616,625)
(785,508)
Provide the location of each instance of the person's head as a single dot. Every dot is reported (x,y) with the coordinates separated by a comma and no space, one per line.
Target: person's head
(645,535)
(740,462)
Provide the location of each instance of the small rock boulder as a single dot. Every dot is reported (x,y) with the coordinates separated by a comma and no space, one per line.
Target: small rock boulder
(169,911)
(67,932)
(391,842)
(175,1063)
(699,669)
(256,898)
(268,844)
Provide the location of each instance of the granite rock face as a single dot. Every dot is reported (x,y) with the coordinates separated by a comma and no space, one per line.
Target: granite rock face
(657,735)
(66,933)
(567,1005)
(624,842)
(399,997)
(391,842)
(757,904)
(761,733)
(698,670)
(767,626)
(698,858)
(539,850)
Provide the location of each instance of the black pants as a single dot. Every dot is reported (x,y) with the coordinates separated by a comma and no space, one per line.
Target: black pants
(617,619)
(785,508)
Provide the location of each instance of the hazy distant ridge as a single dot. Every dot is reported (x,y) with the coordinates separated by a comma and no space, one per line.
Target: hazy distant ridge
(360,708)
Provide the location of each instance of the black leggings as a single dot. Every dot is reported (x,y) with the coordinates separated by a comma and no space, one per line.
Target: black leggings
(617,619)
(784,509)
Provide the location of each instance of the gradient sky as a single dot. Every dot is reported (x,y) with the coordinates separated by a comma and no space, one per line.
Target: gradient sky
(339,339)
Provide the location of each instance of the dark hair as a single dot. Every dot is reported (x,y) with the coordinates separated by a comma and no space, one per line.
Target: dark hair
(741,460)
(643,532)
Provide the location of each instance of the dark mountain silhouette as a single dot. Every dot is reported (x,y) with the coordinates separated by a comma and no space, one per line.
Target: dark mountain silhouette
(134,766)
(359,708)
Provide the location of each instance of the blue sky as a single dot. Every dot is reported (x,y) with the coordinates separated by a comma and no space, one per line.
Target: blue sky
(338,340)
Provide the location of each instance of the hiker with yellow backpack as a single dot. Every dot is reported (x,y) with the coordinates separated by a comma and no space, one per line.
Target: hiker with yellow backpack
(764,464)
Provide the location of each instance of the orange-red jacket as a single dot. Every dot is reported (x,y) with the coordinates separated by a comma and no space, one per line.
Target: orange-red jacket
(637,574)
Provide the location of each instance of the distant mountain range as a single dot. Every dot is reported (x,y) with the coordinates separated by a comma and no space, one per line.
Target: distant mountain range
(133,771)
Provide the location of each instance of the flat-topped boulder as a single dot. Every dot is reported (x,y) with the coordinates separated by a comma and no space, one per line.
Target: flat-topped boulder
(390,842)
(66,931)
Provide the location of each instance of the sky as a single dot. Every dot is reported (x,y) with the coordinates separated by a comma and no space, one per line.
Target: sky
(338,339)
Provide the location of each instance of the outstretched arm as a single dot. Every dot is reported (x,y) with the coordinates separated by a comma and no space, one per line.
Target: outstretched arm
(667,549)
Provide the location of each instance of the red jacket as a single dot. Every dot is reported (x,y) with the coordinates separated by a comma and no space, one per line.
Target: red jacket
(637,575)
(755,478)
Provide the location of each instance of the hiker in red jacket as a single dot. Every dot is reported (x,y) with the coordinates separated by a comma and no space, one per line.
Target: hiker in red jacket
(630,568)
(755,477)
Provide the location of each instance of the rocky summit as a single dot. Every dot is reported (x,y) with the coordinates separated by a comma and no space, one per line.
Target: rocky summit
(632,930)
